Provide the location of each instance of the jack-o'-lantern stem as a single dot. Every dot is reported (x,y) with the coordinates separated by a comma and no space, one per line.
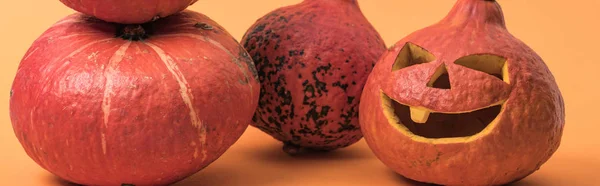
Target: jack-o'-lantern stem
(480,12)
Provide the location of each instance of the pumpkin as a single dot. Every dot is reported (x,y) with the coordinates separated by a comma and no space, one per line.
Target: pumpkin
(99,103)
(313,59)
(463,102)
(128,11)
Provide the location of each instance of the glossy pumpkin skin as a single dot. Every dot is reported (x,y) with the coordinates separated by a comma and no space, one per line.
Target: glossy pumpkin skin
(129,11)
(96,109)
(528,129)
(313,59)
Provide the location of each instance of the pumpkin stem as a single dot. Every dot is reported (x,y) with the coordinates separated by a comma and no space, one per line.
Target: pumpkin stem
(352,3)
(477,12)
(132,32)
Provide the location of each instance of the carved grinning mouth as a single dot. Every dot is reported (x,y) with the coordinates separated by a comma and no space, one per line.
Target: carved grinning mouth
(428,124)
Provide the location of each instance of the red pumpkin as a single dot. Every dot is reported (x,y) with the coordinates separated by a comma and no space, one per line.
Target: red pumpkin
(313,59)
(151,106)
(128,11)
(463,102)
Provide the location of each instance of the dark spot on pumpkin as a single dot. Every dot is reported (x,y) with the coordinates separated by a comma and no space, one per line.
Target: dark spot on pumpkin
(296,53)
(321,86)
(309,93)
(259,28)
(281,60)
(273,121)
(312,114)
(292,113)
(350,99)
(347,127)
(269,110)
(203,26)
(325,110)
(305,83)
(286,95)
(11,93)
(266,128)
(273,14)
(282,18)
(341,85)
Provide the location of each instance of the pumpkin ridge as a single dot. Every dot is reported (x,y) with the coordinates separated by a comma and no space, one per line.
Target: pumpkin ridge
(184,90)
(114,61)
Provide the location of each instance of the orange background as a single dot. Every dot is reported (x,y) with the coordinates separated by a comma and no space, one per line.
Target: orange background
(565,33)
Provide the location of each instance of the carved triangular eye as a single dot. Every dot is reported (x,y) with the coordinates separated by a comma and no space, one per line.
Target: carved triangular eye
(410,55)
(488,63)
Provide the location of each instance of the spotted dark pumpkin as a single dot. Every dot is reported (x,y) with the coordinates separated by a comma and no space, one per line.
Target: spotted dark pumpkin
(463,102)
(313,59)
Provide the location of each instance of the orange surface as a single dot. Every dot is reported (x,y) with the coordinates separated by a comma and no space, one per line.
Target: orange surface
(566,35)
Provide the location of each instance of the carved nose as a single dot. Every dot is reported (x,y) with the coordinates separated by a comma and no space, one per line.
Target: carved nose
(440,78)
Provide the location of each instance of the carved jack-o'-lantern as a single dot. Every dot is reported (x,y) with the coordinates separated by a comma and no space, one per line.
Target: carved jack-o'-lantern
(463,102)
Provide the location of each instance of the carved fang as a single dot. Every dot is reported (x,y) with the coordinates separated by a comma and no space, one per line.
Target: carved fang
(419,115)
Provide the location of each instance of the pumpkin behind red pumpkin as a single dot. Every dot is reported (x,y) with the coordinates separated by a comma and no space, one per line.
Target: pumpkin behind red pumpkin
(313,59)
